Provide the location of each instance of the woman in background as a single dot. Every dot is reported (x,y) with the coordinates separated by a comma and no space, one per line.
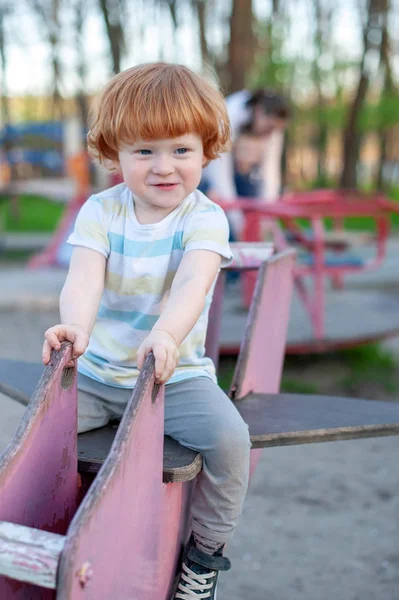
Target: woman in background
(253,167)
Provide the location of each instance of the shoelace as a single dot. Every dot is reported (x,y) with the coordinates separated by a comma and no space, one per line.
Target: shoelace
(195,585)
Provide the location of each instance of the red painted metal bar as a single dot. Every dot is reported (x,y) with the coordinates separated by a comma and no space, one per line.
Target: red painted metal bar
(339,208)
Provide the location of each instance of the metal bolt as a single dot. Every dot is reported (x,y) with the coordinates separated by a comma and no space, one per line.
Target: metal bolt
(85,573)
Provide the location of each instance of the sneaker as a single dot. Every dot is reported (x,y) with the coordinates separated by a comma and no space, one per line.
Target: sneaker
(199,573)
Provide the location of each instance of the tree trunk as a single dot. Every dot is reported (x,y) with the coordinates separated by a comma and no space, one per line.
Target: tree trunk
(5,107)
(200,7)
(5,113)
(352,137)
(112,11)
(388,90)
(241,46)
(323,26)
(81,98)
(49,15)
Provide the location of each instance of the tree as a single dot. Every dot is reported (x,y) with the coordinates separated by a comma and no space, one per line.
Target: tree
(200,8)
(114,12)
(242,44)
(372,39)
(389,91)
(48,12)
(80,10)
(5,113)
(322,17)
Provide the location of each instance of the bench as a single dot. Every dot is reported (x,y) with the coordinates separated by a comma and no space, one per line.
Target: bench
(63,530)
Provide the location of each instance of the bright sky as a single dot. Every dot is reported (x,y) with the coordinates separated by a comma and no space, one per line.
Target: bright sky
(29,58)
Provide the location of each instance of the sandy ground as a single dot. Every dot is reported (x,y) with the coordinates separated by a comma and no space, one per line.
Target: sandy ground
(321,522)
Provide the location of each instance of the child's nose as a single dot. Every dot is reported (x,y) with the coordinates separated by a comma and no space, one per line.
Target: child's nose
(163,166)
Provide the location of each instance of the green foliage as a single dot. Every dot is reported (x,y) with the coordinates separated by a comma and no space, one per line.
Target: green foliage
(379,115)
(15,256)
(226,371)
(273,68)
(370,366)
(296,386)
(35,214)
(362,358)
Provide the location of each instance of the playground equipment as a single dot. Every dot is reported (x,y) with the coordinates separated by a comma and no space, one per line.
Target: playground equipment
(78,169)
(106,514)
(328,256)
(47,159)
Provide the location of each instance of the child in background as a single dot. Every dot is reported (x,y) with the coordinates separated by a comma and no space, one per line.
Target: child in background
(146,255)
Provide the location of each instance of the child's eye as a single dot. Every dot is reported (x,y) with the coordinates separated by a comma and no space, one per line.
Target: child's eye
(144,152)
(182,150)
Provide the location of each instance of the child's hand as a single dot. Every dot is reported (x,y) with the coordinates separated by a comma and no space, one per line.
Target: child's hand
(61,333)
(165,352)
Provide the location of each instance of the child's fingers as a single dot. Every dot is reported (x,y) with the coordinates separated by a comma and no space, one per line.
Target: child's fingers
(160,355)
(55,335)
(46,352)
(141,356)
(169,365)
(52,338)
(80,342)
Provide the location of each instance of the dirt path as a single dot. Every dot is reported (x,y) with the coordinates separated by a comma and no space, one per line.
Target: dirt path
(321,522)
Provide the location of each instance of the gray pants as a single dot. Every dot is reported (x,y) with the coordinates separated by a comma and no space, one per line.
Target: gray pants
(199,415)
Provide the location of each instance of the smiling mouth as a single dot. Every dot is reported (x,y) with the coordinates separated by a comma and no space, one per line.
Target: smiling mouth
(165,186)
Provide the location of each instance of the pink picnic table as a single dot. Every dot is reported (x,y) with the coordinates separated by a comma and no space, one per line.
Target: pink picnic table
(326,256)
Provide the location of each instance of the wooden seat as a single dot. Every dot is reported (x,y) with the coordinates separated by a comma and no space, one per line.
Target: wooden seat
(282,419)
(179,463)
(18,380)
(287,419)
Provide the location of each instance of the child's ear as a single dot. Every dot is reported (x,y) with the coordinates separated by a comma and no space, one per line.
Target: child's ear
(114,165)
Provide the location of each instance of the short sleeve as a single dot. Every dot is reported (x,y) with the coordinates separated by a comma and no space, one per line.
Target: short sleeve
(208,229)
(91,230)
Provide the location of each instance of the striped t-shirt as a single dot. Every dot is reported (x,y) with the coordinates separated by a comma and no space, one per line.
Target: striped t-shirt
(142,261)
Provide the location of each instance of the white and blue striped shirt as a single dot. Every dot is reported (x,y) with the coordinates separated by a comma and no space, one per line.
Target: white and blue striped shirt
(142,261)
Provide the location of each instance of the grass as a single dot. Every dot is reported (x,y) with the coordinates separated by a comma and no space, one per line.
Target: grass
(226,371)
(15,255)
(366,371)
(370,366)
(290,385)
(35,214)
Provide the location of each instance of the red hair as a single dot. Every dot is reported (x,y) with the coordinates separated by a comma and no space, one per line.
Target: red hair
(157,101)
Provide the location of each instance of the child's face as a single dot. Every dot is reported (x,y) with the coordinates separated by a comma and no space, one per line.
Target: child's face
(161,173)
